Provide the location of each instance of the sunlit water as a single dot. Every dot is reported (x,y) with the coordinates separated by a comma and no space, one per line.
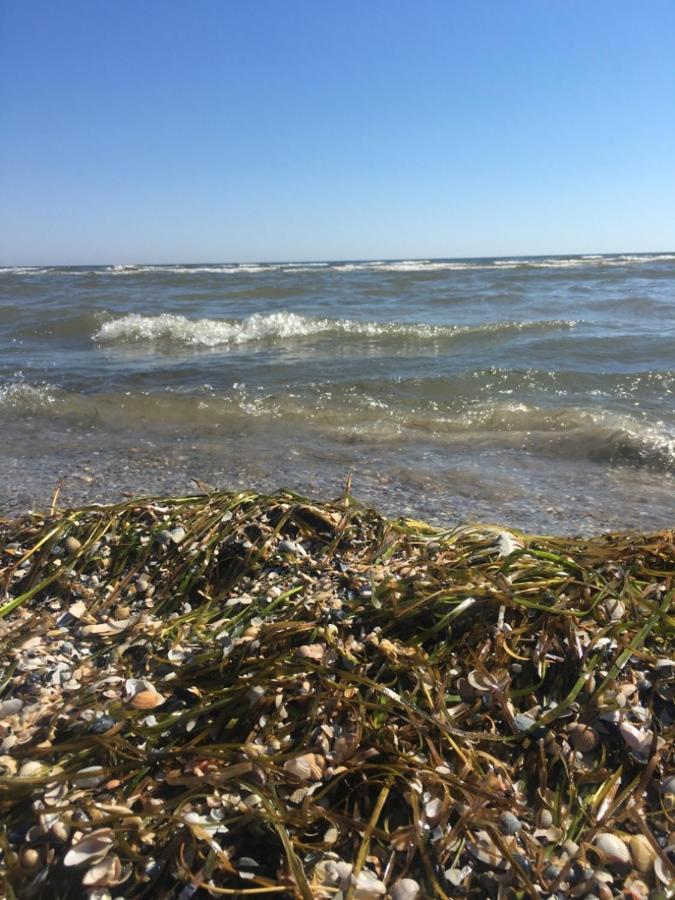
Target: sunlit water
(537,392)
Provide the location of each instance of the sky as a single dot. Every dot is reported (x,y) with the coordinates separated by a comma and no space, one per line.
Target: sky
(215,130)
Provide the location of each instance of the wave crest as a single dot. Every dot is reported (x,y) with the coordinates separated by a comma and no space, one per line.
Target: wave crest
(207,333)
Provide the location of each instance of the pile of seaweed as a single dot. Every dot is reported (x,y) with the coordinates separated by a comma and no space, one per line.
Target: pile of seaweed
(242,695)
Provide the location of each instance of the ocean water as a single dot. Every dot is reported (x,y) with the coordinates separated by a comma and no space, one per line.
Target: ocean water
(537,392)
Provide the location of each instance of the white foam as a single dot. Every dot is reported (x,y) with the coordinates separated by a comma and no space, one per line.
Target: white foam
(283,326)
(19,395)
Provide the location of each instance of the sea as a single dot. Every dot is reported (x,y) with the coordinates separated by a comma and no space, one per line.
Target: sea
(536,392)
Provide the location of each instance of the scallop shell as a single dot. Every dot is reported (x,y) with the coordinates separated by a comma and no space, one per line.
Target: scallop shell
(642,852)
(31,769)
(583,737)
(612,848)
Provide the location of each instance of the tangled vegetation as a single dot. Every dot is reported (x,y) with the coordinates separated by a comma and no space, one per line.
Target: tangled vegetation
(237,695)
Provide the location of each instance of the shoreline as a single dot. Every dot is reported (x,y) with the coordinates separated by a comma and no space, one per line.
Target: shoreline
(234,692)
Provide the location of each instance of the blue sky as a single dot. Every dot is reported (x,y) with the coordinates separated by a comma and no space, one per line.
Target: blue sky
(159,130)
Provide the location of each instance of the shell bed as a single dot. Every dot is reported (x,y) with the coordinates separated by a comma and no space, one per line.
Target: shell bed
(237,695)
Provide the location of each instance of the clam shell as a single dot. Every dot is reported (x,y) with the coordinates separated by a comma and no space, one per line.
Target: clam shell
(485,851)
(612,848)
(91,848)
(405,889)
(508,823)
(147,700)
(663,872)
(642,852)
(308,767)
(667,786)
(583,737)
(10,707)
(71,545)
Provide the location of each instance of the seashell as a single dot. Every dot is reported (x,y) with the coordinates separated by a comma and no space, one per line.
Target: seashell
(337,872)
(32,769)
(59,831)
(638,742)
(486,852)
(664,872)
(311,651)
(613,609)
(10,707)
(367,886)
(309,767)
(405,889)
(583,737)
(523,722)
(612,849)
(89,777)
(508,823)
(642,852)
(545,819)
(147,699)
(91,848)
(331,835)
(71,545)
(667,786)
(109,871)
(30,858)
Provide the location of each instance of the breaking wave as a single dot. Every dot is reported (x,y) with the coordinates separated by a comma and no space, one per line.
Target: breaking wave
(208,333)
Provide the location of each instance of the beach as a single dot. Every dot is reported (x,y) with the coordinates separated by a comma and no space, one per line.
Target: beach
(533,391)
(233,694)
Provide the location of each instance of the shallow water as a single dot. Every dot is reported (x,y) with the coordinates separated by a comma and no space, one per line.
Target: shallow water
(537,392)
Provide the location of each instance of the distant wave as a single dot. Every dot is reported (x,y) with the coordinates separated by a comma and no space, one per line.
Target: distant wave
(286,325)
(392,266)
(405,265)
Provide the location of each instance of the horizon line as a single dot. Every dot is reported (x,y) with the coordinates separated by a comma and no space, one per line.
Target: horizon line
(383,259)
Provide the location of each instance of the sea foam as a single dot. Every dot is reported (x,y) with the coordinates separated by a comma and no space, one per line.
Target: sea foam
(282,326)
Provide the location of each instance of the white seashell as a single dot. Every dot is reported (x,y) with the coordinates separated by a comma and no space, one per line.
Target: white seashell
(663,872)
(10,707)
(367,886)
(642,852)
(107,872)
(308,767)
(338,872)
(638,742)
(405,889)
(311,651)
(612,849)
(507,544)
(484,850)
(91,848)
